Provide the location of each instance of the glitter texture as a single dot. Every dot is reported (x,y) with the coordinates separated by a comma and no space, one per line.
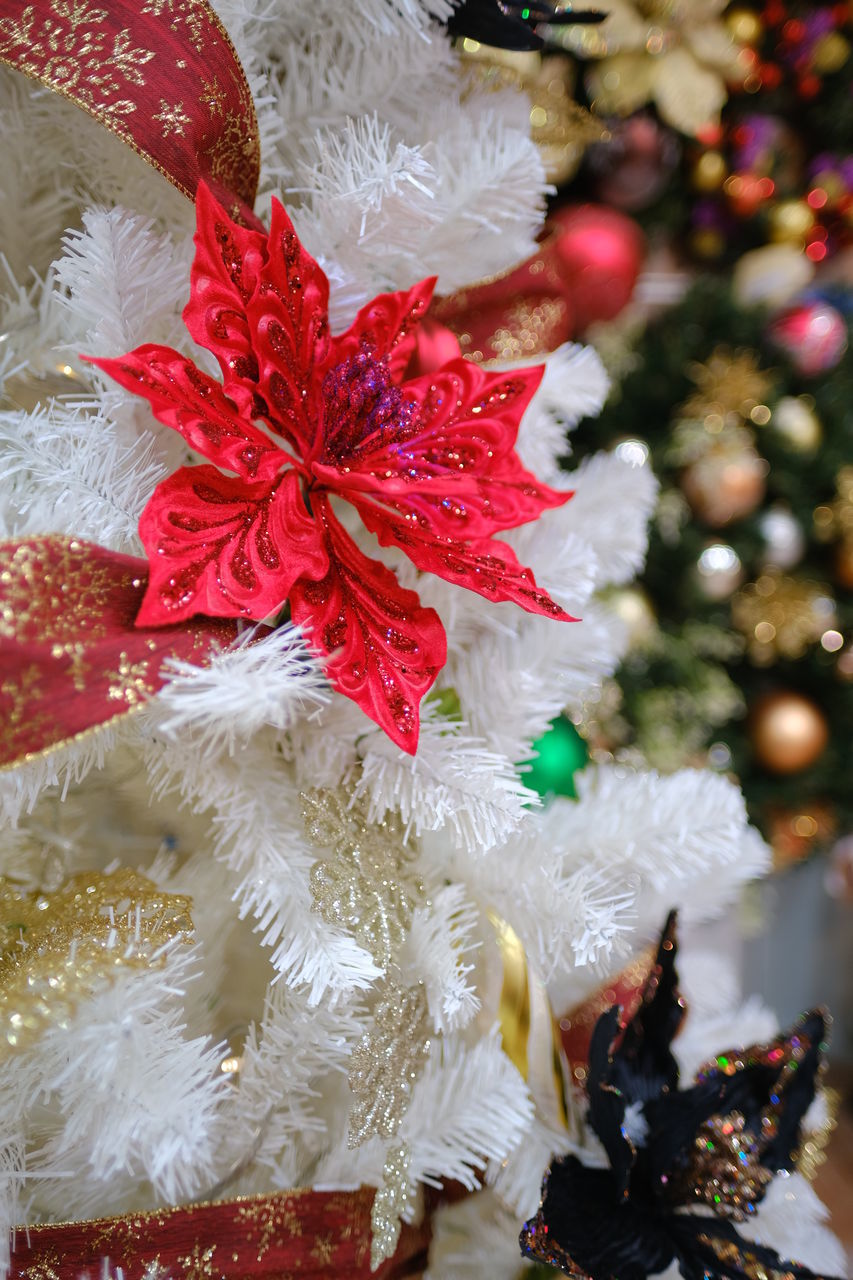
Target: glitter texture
(58,947)
(369,886)
(389,1205)
(387,1061)
(724,1170)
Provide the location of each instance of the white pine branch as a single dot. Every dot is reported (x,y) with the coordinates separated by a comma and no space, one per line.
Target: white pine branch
(469,1106)
(70,469)
(439,952)
(272,681)
(453,782)
(259,835)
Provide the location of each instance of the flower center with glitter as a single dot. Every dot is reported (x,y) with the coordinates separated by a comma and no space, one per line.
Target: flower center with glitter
(362,403)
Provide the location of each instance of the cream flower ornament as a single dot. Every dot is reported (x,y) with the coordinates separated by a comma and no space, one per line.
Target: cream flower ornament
(675,53)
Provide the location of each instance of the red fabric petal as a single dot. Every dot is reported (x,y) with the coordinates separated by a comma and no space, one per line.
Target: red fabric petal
(384,648)
(452,465)
(388,327)
(488,566)
(184,398)
(224,278)
(288,318)
(225,548)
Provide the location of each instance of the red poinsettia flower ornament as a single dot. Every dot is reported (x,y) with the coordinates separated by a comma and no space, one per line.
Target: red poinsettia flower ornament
(300,417)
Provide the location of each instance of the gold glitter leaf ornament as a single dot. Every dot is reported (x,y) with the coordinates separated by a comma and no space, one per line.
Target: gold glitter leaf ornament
(57,948)
(370,886)
(387,1061)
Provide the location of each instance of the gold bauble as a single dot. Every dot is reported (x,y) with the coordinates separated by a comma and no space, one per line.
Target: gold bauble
(634,609)
(724,485)
(708,243)
(709,172)
(788,732)
(830,53)
(744,25)
(791,221)
(795,420)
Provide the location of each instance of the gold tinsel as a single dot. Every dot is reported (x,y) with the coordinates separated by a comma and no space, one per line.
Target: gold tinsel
(560,127)
(387,1061)
(780,617)
(730,387)
(370,886)
(57,948)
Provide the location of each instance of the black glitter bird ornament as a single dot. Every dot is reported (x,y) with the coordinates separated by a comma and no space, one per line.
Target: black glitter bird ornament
(713,1148)
(509,24)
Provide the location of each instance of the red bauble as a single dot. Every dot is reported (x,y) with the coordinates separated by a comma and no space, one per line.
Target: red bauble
(599,252)
(813,335)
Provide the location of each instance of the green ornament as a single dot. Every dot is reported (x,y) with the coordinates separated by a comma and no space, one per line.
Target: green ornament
(561,753)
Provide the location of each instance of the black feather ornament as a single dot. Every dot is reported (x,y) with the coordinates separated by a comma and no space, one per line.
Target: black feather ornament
(714,1146)
(506,24)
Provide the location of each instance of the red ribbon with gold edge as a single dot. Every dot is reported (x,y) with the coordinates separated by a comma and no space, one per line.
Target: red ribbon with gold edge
(290,1235)
(160,74)
(71,659)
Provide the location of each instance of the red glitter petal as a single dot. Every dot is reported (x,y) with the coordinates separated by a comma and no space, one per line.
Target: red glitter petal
(383,648)
(184,398)
(488,567)
(225,548)
(224,279)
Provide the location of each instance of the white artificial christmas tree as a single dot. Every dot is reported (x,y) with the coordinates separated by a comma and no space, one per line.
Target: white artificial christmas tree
(326,1012)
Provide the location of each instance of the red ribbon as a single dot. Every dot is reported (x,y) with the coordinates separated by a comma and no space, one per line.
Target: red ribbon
(71,658)
(160,74)
(290,1235)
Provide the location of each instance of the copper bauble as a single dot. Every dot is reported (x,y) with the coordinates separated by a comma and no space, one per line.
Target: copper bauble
(724,484)
(844,563)
(788,732)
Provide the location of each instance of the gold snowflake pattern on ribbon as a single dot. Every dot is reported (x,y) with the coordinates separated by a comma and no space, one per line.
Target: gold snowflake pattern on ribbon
(57,948)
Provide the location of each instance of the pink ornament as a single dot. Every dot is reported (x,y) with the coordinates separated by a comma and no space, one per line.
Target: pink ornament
(813,335)
(599,252)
